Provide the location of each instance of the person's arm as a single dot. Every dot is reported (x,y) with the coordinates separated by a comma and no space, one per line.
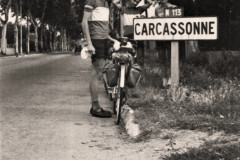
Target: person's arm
(159,11)
(85,27)
(156,11)
(171,5)
(144,7)
(117,3)
(111,39)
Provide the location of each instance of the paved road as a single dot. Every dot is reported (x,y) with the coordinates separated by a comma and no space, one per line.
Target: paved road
(44,113)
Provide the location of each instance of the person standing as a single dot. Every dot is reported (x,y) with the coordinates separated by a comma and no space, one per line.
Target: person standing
(164,47)
(129,12)
(95,25)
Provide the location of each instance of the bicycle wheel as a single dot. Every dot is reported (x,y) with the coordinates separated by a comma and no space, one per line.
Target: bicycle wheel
(105,83)
(119,105)
(114,107)
(113,96)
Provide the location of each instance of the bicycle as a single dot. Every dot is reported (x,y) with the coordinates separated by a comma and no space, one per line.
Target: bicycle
(123,55)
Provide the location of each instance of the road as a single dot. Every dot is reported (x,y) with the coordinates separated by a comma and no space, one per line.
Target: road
(44,113)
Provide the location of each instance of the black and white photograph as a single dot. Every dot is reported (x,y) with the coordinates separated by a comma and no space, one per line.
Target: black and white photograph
(119,79)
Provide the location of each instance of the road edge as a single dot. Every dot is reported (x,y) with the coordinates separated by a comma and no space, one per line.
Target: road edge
(133,129)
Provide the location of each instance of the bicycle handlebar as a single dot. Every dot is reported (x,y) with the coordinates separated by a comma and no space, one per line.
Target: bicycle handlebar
(124,40)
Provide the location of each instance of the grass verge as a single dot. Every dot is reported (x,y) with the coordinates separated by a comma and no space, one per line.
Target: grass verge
(204,101)
(210,151)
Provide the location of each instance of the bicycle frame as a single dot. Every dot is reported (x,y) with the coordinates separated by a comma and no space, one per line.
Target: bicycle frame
(123,58)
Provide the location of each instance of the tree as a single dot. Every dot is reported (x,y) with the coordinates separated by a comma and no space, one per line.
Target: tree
(34,12)
(6,4)
(53,17)
(26,8)
(16,10)
(61,19)
(37,12)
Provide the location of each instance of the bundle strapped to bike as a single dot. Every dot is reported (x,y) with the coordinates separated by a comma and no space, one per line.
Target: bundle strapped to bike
(133,75)
(112,73)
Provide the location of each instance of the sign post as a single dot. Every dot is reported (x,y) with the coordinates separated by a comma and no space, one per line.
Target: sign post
(174,29)
(174,64)
(174,12)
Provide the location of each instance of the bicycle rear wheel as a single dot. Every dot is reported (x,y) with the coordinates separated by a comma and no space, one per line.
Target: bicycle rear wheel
(119,105)
(114,107)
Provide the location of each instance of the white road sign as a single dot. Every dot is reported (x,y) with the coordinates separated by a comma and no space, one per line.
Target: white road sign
(181,28)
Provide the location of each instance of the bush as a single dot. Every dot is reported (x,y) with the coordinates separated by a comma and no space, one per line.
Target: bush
(228,65)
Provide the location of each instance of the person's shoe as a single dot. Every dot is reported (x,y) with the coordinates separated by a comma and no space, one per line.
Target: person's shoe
(101,113)
(169,82)
(165,82)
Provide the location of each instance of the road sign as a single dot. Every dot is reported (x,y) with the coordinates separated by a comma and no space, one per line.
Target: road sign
(173,12)
(181,28)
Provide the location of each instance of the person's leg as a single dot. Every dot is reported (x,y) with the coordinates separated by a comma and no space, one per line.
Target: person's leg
(93,86)
(97,63)
(140,53)
(97,66)
(168,62)
(162,60)
(164,67)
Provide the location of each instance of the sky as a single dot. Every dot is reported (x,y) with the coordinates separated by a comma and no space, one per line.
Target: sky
(12,18)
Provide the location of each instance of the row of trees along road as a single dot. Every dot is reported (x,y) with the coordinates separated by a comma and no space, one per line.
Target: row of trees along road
(47,17)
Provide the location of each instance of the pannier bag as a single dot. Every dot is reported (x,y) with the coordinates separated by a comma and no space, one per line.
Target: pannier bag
(112,73)
(134,75)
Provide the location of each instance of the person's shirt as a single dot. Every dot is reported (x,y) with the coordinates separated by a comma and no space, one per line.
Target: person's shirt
(99,20)
(159,11)
(129,13)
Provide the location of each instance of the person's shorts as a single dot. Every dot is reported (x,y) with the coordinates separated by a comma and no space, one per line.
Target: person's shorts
(163,44)
(101,49)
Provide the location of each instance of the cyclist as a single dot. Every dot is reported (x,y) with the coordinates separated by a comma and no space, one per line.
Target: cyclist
(95,27)
(163,47)
(129,12)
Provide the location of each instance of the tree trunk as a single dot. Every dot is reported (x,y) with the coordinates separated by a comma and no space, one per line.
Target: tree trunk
(28,35)
(42,27)
(45,39)
(62,38)
(36,38)
(41,38)
(4,29)
(67,42)
(35,25)
(50,39)
(16,30)
(16,38)
(55,39)
(4,40)
(21,28)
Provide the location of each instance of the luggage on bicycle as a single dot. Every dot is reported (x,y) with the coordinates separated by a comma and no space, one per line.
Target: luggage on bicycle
(134,75)
(112,73)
